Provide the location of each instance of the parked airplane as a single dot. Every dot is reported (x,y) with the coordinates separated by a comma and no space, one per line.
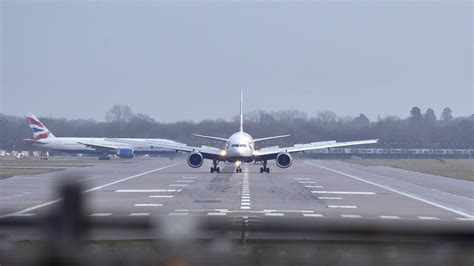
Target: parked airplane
(240,148)
(122,147)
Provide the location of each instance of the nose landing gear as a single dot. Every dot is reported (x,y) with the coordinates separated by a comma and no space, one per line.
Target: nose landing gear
(238,169)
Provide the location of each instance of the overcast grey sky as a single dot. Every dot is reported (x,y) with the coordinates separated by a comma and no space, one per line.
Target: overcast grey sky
(189,60)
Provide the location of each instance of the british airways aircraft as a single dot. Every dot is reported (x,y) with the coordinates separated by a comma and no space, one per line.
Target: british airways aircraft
(123,147)
(240,148)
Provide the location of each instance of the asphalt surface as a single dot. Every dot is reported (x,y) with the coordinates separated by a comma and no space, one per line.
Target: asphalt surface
(314,189)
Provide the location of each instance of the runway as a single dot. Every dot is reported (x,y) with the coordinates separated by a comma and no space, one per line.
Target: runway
(309,189)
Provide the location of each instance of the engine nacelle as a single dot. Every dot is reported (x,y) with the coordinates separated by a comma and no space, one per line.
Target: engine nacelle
(284,160)
(125,153)
(195,159)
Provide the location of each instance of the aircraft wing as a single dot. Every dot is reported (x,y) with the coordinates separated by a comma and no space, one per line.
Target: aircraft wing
(104,147)
(272,152)
(207,152)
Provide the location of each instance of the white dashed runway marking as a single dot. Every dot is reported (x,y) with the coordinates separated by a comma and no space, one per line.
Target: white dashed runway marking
(343,192)
(409,195)
(146,190)
(301,178)
(389,217)
(148,205)
(178,185)
(343,206)
(101,214)
(161,196)
(350,216)
(189,177)
(312,215)
(178,214)
(313,186)
(139,214)
(427,218)
(184,181)
(330,198)
(216,213)
(465,219)
(24,214)
(274,214)
(306,182)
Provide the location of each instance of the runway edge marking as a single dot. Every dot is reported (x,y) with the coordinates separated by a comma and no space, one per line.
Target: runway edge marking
(44,204)
(396,191)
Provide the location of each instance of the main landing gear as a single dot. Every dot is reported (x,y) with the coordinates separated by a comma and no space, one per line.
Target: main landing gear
(104,156)
(238,170)
(264,168)
(215,168)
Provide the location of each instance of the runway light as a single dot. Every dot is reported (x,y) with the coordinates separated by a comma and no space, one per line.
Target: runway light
(223,153)
(238,163)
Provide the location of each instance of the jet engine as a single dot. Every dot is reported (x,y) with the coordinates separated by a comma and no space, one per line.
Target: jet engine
(125,153)
(284,160)
(195,159)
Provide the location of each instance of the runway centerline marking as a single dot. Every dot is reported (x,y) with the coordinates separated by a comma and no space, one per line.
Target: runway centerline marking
(161,196)
(148,205)
(313,186)
(245,191)
(306,182)
(397,191)
(343,206)
(35,207)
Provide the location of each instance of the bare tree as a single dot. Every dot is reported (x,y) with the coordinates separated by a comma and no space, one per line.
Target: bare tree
(415,114)
(447,114)
(429,117)
(119,113)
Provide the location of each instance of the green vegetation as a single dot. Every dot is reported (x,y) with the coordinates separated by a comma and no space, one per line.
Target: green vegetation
(460,169)
(9,172)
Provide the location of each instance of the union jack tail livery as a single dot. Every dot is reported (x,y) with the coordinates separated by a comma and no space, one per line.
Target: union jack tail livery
(39,130)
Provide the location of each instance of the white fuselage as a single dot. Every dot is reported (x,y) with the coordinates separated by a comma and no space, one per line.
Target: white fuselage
(71,144)
(239,147)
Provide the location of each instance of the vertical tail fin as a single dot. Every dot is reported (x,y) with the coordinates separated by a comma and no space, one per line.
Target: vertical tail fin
(241,112)
(39,130)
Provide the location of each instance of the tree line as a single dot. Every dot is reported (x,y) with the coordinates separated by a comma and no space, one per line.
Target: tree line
(418,129)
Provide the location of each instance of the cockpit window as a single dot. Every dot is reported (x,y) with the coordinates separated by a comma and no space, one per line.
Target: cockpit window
(239,145)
